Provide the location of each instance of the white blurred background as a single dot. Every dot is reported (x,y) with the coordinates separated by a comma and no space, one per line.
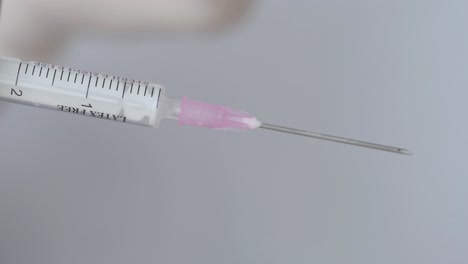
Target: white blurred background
(81,190)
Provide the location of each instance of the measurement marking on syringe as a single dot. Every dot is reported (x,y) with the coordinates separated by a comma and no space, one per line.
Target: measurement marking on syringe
(89,83)
(47,75)
(159,98)
(117,88)
(17,75)
(69,74)
(61,75)
(76,76)
(26,71)
(82,79)
(97,79)
(131,90)
(138,93)
(123,93)
(34,69)
(110,85)
(53,79)
(40,72)
(152,92)
(103,83)
(146,89)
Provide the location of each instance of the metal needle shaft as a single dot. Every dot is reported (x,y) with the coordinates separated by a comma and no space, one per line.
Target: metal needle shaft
(335,139)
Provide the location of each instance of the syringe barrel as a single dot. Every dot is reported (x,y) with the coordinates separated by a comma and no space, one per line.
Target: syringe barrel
(81,92)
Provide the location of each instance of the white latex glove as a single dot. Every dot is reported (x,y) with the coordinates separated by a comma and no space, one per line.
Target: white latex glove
(31,29)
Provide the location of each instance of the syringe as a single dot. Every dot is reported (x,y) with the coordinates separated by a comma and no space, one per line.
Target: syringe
(128,101)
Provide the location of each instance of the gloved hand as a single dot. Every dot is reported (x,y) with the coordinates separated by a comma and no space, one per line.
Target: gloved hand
(32,29)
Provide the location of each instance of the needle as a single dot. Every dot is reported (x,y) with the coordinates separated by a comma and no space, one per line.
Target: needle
(335,139)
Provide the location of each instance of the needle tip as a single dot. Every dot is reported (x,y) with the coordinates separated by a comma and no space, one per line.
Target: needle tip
(405,152)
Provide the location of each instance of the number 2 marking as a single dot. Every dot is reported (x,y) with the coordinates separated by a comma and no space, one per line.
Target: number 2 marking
(17,93)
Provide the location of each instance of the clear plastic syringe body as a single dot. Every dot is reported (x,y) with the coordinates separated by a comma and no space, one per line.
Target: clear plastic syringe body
(85,93)
(129,101)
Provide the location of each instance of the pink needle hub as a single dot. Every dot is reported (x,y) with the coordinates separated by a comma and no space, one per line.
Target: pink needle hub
(194,113)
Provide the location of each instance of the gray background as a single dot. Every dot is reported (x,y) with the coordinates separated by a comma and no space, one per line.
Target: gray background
(80,190)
